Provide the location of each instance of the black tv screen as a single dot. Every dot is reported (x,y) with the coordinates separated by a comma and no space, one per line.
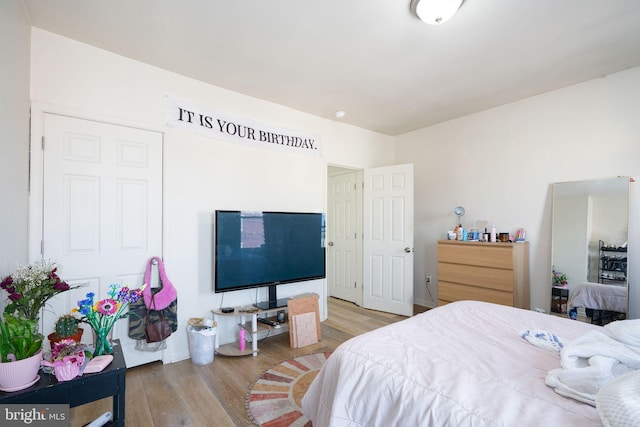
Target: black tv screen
(267,248)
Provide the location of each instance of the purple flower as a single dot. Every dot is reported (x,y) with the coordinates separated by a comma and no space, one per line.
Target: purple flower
(61,286)
(135,295)
(123,295)
(6,282)
(15,296)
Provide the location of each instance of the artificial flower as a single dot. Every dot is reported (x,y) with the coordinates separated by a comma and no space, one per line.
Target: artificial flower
(103,314)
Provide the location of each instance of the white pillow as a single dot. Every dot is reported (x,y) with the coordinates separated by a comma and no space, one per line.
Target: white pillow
(618,401)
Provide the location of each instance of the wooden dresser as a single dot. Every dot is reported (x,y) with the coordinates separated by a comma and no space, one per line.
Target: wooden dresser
(481,271)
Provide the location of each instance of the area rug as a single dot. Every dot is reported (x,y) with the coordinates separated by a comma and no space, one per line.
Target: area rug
(274,399)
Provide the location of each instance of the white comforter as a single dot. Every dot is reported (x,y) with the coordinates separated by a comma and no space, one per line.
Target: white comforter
(463,364)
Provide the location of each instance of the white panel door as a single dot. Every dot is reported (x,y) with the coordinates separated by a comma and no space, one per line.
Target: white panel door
(102,212)
(342,249)
(388,239)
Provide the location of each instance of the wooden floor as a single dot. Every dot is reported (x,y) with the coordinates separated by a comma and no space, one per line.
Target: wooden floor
(184,394)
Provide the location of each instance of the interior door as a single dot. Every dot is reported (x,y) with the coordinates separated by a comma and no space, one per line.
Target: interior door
(102,211)
(342,249)
(388,239)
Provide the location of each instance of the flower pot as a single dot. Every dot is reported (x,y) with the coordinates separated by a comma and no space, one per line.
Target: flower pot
(20,374)
(54,339)
(68,368)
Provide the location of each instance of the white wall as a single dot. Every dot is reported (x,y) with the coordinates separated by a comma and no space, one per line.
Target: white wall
(200,174)
(499,165)
(15,36)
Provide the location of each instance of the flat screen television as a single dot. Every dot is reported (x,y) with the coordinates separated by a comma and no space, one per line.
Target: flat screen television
(255,249)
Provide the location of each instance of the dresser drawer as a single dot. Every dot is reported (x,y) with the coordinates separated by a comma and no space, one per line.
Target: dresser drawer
(483,277)
(450,292)
(485,256)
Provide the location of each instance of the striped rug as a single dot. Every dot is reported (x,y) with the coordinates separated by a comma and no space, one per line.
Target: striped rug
(274,399)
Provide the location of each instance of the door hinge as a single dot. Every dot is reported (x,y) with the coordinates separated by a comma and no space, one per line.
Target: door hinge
(42,247)
(42,142)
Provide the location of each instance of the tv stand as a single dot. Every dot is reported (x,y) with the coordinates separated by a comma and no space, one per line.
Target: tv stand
(249,322)
(272,304)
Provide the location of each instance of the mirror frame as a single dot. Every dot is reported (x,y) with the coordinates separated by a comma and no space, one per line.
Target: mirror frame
(580,210)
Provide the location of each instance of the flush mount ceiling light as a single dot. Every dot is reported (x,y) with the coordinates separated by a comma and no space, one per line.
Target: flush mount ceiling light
(340,114)
(435,12)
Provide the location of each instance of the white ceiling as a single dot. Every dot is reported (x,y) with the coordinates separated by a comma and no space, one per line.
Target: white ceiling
(389,71)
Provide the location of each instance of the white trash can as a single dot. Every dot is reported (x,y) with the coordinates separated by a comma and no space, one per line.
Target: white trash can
(202,343)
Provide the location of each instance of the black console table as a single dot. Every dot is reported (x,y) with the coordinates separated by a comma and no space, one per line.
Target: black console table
(85,389)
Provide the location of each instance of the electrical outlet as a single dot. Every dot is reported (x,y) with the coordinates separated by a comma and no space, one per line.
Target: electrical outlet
(427,279)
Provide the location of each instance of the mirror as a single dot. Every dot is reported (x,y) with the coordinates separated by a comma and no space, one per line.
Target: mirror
(590,232)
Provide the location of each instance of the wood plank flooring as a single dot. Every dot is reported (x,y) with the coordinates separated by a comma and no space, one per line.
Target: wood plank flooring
(184,394)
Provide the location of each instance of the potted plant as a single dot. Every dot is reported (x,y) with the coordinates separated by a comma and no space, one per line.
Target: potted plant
(29,288)
(67,357)
(20,351)
(66,328)
(559,279)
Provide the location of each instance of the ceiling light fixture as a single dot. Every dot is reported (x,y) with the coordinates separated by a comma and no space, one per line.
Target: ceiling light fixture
(340,114)
(435,12)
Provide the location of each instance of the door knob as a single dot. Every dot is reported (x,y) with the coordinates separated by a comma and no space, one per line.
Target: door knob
(407,250)
(330,243)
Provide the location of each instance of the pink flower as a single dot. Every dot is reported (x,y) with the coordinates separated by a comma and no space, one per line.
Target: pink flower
(107,306)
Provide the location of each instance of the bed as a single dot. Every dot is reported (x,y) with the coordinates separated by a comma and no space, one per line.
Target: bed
(462,364)
(601,302)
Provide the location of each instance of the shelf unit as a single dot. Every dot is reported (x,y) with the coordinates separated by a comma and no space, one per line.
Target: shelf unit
(612,264)
(559,298)
(248,321)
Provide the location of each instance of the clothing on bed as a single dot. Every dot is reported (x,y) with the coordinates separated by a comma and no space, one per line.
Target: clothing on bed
(461,364)
(590,361)
(543,339)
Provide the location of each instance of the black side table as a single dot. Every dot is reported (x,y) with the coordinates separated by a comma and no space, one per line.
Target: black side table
(559,299)
(85,389)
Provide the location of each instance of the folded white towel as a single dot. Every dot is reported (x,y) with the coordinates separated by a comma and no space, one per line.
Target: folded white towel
(591,360)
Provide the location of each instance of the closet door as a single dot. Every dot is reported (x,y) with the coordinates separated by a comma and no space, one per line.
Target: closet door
(102,212)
